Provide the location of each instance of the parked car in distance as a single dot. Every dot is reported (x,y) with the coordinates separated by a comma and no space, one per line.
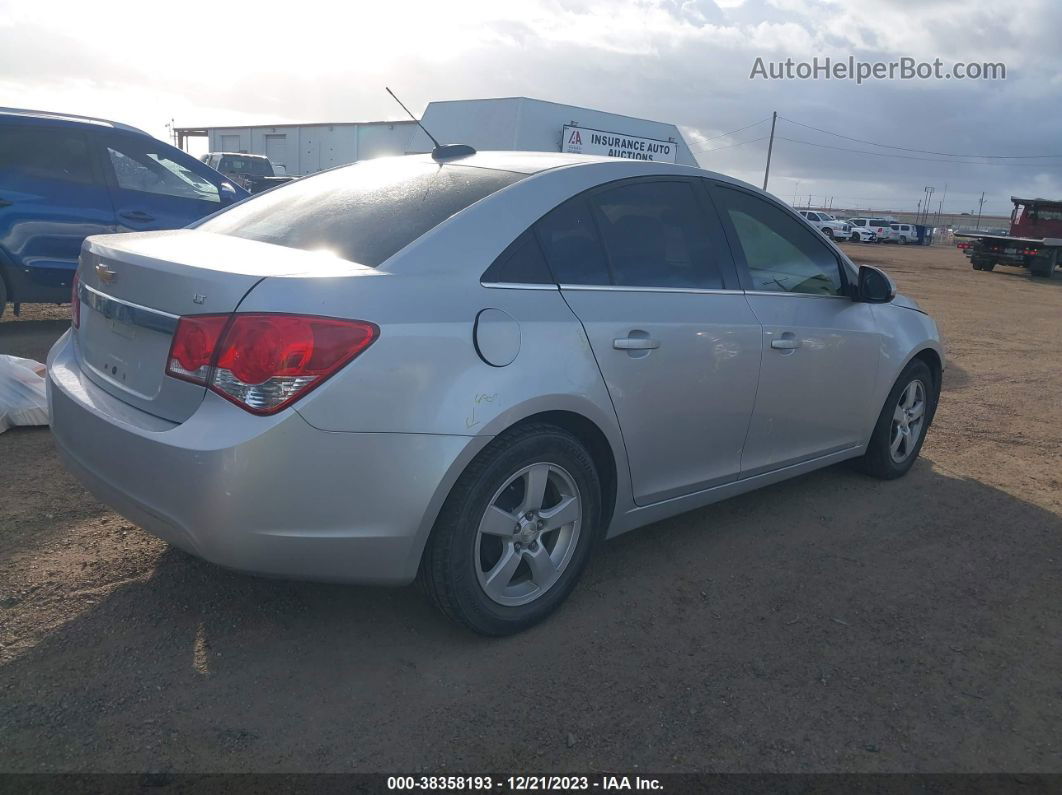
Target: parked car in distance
(827,224)
(63,178)
(904,233)
(881,227)
(254,172)
(859,234)
(472,368)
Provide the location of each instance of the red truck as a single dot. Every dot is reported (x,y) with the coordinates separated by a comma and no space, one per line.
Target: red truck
(1034,241)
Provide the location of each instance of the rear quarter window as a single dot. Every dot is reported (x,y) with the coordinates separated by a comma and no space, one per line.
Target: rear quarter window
(363,213)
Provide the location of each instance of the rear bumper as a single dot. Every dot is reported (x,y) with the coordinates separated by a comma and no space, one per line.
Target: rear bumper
(269,495)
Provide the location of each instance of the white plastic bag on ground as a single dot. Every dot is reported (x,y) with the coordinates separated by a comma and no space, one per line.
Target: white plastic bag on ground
(23,400)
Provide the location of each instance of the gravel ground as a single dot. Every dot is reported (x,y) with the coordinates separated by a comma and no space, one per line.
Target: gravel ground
(831,623)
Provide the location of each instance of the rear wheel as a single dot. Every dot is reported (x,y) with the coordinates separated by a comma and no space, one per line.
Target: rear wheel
(1043,265)
(902,424)
(903,240)
(516,532)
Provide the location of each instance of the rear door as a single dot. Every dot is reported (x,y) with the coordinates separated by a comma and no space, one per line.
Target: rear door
(644,265)
(52,196)
(155,186)
(820,348)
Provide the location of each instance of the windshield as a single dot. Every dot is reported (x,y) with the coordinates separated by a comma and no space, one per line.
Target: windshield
(363,213)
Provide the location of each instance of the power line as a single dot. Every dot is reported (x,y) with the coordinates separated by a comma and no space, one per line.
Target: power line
(732,132)
(911,157)
(908,149)
(729,146)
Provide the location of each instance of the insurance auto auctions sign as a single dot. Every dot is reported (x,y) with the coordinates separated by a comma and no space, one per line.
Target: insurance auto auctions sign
(585,141)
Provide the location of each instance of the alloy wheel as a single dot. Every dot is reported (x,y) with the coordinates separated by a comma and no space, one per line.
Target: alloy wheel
(908,420)
(528,534)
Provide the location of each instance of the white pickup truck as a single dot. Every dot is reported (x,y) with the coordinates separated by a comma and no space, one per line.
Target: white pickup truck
(828,225)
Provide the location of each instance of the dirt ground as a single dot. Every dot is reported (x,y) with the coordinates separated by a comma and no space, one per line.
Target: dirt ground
(831,623)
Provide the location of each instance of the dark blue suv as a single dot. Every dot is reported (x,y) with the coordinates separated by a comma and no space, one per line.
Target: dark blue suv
(63,178)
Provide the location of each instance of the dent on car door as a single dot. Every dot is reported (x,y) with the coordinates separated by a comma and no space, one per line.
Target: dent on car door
(155,186)
(644,266)
(52,196)
(821,349)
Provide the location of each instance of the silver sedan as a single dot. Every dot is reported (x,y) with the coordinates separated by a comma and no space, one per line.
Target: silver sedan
(472,367)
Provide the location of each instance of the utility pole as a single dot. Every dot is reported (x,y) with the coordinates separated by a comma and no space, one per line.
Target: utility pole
(980,206)
(770,147)
(940,207)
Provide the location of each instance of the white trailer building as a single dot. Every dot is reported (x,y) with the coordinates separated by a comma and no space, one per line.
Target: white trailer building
(516,123)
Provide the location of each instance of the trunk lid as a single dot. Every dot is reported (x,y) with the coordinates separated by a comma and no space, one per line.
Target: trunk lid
(134,287)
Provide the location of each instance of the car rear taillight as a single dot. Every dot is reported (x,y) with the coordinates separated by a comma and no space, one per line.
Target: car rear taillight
(193,346)
(264,362)
(75,301)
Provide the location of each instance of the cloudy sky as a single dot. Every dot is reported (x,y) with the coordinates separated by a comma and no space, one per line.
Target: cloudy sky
(683,61)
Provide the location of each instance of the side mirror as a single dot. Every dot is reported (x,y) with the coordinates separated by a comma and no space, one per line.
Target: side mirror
(874,286)
(227,193)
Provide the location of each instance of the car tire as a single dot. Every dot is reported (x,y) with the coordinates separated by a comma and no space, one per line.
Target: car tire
(468,568)
(903,240)
(892,450)
(975,265)
(828,232)
(988,266)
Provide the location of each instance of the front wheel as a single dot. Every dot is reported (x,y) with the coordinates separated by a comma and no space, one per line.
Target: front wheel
(902,424)
(516,531)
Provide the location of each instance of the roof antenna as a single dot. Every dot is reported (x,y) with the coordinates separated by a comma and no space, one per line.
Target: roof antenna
(440,152)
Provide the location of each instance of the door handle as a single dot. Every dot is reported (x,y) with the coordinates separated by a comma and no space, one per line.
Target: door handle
(137,215)
(785,344)
(635,344)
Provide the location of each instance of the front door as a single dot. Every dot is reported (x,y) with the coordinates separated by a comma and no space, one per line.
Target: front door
(820,348)
(52,196)
(155,186)
(644,265)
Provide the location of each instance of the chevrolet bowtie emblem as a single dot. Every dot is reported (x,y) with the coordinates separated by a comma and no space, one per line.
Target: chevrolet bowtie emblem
(105,274)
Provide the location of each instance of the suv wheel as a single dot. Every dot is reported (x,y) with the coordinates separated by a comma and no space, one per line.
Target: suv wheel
(902,424)
(516,532)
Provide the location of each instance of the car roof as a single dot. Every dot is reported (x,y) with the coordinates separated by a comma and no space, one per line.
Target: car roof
(531,163)
(64,119)
(238,154)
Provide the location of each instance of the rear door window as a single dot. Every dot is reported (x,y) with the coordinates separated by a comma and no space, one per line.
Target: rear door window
(656,234)
(363,213)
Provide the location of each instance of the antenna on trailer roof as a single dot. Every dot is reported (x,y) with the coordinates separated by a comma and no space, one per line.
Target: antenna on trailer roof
(440,152)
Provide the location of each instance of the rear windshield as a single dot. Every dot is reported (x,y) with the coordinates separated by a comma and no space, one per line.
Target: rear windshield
(257,166)
(363,213)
